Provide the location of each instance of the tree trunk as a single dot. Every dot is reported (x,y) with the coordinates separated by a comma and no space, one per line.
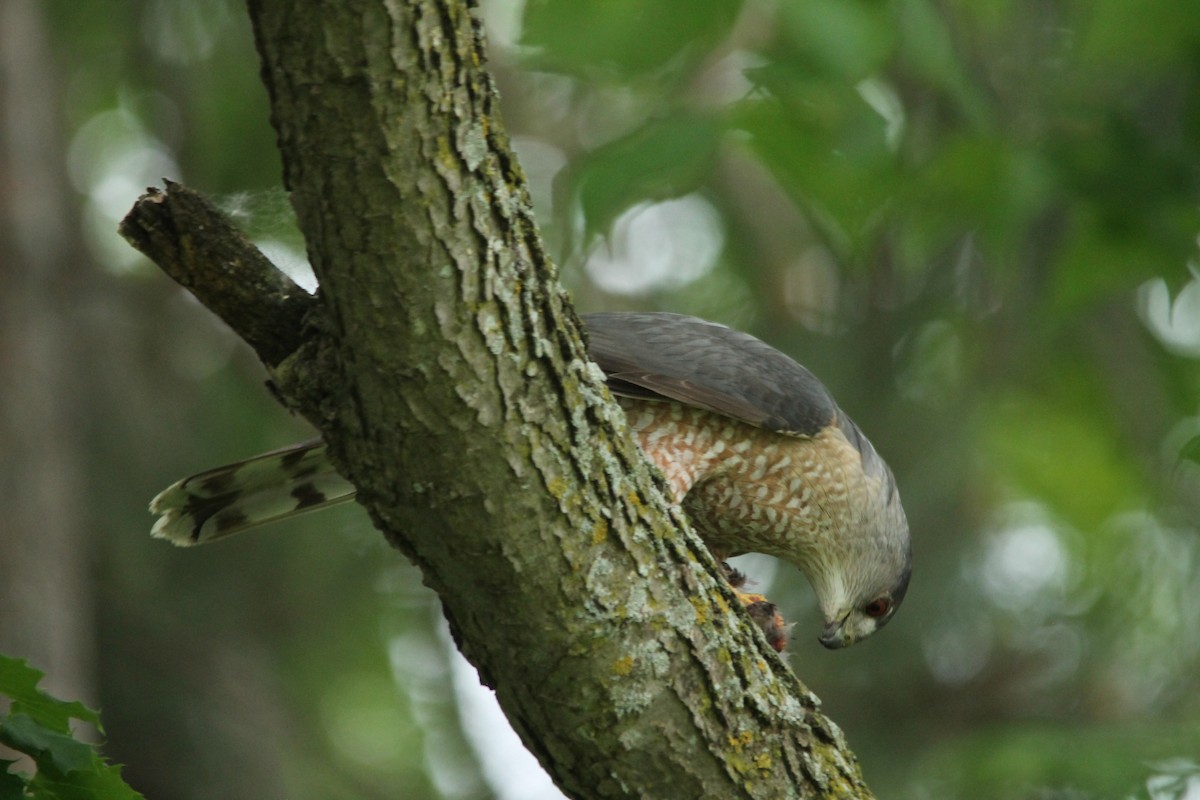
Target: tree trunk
(45,586)
(443,364)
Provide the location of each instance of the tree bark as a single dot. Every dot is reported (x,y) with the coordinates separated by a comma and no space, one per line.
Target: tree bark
(443,364)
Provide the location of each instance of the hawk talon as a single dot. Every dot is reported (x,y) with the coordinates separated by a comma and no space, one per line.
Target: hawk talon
(768,619)
(762,611)
(734,577)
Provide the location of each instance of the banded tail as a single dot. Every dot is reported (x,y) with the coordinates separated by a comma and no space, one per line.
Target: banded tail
(227,500)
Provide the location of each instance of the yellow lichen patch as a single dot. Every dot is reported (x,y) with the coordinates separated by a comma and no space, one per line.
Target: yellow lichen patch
(738,744)
(698,603)
(599,532)
(623,665)
(740,741)
(721,604)
(556,487)
(740,765)
(446,154)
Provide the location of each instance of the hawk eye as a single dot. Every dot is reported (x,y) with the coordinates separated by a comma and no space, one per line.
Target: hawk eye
(878,607)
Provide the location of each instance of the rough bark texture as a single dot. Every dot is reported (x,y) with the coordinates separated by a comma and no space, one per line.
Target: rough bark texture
(257,300)
(443,364)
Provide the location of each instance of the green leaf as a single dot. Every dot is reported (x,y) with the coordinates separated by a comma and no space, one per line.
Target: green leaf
(1191,450)
(39,726)
(1027,435)
(827,149)
(19,681)
(12,786)
(849,39)
(47,747)
(666,158)
(104,782)
(625,38)
(925,46)
(66,769)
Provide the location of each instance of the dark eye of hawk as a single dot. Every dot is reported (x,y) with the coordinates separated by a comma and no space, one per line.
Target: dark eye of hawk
(878,607)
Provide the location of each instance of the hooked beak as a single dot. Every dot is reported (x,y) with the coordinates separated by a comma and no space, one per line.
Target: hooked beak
(834,635)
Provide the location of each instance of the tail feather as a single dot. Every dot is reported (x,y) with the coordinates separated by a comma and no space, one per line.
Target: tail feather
(227,500)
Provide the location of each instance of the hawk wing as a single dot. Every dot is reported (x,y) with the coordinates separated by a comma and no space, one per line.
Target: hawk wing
(703,364)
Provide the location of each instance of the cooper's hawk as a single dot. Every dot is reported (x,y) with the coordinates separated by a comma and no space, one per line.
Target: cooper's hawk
(752,445)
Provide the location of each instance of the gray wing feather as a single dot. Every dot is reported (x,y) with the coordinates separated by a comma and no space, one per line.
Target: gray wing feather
(710,366)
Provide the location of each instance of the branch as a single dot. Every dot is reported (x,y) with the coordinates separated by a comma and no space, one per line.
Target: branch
(444,366)
(198,246)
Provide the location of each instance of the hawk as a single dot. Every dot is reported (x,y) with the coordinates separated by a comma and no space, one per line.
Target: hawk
(752,445)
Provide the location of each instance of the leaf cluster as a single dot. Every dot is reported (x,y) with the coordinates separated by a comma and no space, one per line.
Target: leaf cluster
(39,725)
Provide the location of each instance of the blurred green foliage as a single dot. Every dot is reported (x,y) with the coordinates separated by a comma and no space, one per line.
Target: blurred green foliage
(976,221)
(624,39)
(668,157)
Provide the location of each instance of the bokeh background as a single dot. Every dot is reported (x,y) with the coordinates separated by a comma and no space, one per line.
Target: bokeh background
(976,221)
